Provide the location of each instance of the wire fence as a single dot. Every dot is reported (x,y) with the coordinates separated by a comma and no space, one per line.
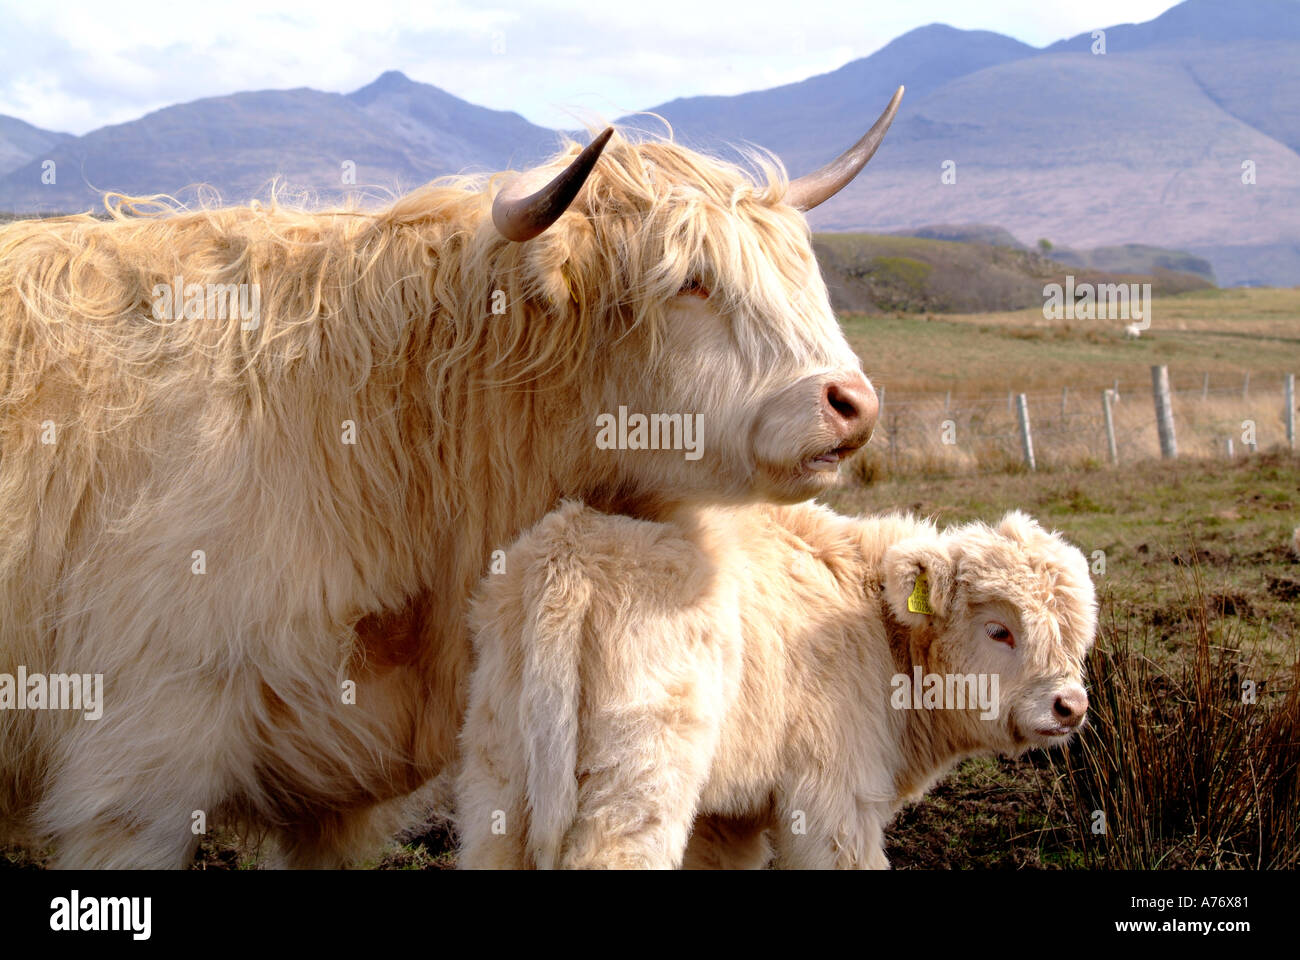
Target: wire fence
(943,434)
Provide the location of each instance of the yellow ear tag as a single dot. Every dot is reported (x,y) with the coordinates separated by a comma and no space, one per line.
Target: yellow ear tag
(919,601)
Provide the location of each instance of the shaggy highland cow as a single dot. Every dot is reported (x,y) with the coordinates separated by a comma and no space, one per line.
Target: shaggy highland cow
(262,530)
(786,675)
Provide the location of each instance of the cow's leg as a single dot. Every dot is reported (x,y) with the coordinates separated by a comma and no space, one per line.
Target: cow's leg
(640,781)
(138,821)
(729,843)
(491,819)
(138,786)
(140,791)
(104,843)
(827,829)
(652,713)
(491,824)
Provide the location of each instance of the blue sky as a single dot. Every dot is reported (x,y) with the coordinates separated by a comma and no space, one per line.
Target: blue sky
(81,64)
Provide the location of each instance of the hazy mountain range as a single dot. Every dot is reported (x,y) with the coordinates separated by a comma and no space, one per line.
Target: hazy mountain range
(1144,144)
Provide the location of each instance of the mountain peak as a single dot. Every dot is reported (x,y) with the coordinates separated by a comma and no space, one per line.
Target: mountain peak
(939,38)
(930,31)
(387,83)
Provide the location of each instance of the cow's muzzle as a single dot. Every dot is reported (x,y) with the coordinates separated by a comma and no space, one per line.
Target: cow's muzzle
(849,409)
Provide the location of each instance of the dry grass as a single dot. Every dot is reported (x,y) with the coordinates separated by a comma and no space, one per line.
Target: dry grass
(928,435)
(1244,311)
(1195,766)
(1226,333)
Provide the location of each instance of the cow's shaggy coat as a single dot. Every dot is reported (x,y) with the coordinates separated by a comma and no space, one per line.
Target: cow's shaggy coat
(737,665)
(183,508)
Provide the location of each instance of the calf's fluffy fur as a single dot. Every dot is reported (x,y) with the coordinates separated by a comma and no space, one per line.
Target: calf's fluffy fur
(734,672)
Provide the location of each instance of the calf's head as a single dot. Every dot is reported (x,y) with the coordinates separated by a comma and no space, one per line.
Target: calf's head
(685,289)
(1012,602)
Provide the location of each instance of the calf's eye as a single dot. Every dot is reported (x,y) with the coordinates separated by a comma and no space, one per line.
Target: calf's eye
(996,631)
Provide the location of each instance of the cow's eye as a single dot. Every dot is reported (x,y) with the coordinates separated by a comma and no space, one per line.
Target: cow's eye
(996,631)
(693,288)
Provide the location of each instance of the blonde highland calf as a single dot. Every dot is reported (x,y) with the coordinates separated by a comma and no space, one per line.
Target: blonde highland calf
(263,531)
(781,679)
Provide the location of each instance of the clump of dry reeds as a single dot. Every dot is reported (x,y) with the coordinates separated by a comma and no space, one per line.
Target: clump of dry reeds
(1190,765)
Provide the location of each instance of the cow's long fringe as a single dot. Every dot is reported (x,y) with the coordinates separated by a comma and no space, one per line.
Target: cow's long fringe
(129,442)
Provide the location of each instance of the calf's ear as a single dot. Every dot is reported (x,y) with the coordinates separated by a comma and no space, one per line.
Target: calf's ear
(1020,527)
(919,578)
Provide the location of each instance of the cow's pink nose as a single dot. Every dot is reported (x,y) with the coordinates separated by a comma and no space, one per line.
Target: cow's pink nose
(1071,706)
(850,407)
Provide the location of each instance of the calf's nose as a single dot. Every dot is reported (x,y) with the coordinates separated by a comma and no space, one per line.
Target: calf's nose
(850,408)
(1070,706)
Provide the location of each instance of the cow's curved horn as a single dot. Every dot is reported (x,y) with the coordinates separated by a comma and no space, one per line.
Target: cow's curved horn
(521,218)
(819,186)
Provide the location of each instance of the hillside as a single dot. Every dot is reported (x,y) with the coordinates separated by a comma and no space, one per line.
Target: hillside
(1135,258)
(874,273)
(1126,258)
(21,142)
(966,233)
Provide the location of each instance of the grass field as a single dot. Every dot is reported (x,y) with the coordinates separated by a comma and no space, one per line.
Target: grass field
(1224,332)
(948,382)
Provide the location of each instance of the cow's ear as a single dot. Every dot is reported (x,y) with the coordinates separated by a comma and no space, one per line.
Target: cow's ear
(556,261)
(919,580)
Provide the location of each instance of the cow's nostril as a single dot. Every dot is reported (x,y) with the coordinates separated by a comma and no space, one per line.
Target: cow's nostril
(841,402)
(850,407)
(1071,707)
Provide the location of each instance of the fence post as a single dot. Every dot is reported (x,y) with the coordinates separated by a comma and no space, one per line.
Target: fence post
(1230,448)
(947,402)
(1026,441)
(1205,387)
(1065,393)
(1116,390)
(1245,387)
(1164,412)
(1288,391)
(1010,402)
(1111,448)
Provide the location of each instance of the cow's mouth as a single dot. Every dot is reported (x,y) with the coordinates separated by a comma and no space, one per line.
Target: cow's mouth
(1054,732)
(830,459)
